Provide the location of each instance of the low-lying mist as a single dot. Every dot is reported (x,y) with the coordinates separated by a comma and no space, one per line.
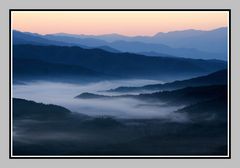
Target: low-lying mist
(63,94)
(135,126)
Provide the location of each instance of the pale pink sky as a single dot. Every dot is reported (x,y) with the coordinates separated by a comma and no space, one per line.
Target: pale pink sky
(129,23)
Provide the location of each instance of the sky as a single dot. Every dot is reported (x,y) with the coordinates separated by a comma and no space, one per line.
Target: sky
(130,23)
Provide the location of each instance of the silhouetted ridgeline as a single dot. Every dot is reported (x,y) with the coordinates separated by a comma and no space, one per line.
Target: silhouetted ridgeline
(24,109)
(189,95)
(185,96)
(216,78)
(212,40)
(118,65)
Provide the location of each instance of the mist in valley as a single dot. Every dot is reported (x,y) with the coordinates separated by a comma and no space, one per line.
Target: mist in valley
(111,125)
(63,94)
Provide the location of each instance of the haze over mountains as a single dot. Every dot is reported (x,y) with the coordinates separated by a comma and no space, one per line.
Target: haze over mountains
(190,38)
(188,43)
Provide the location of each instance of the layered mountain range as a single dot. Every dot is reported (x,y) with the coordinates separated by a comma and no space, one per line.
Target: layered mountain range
(188,43)
(78,62)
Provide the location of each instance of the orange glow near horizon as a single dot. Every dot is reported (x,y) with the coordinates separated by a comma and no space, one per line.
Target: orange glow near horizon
(129,23)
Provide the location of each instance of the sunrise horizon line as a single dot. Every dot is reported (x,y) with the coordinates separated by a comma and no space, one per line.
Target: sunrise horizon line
(121,34)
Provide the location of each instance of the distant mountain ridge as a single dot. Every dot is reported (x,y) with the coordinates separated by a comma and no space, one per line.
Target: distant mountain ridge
(160,44)
(34,39)
(214,40)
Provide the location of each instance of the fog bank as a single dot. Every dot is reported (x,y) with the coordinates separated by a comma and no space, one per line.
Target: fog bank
(63,94)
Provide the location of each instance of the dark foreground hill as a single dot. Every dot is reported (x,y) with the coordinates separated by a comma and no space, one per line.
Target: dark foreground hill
(41,129)
(120,65)
(187,96)
(24,109)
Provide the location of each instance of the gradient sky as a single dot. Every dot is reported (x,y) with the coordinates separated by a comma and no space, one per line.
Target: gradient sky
(129,23)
